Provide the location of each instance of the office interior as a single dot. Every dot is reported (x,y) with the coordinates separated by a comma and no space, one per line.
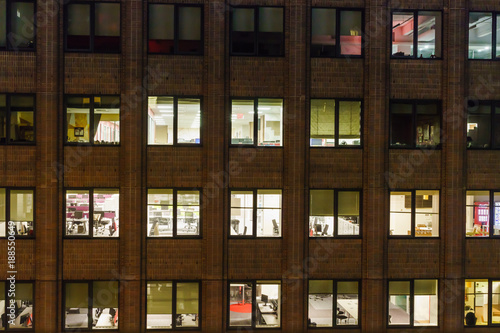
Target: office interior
(425,303)
(477,296)
(483,122)
(426,212)
(17,118)
(23,305)
(164,122)
(20,211)
(477,214)
(481,44)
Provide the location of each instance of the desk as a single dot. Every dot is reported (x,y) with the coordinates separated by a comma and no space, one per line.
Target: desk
(76,320)
(351,308)
(268,315)
(27,311)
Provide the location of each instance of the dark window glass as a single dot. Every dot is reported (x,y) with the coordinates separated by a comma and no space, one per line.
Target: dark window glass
(483,125)
(17,25)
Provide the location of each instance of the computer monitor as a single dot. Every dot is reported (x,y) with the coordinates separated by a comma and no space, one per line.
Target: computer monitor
(264,298)
(318,228)
(78,215)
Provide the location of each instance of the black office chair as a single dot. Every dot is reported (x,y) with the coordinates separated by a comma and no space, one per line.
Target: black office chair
(325,231)
(276,230)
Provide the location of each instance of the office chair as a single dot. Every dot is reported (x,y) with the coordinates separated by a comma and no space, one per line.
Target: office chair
(275,228)
(325,231)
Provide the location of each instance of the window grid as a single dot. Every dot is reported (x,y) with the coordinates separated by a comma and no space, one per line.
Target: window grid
(21,229)
(19,135)
(487,137)
(480,212)
(482,306)
(24,39)
(494,46)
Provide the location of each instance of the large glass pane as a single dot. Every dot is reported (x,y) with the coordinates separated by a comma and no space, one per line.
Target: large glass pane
(78,119)
(3,216)
(350,32)
(477,214)
(349,123)
(271,31)
(240,304)
(188,120)
(429,34)
(22,122)
(401,125)
(106,120)
(495,302)
(427,214)
(3,23)
(160,120)
(270,126)
(21,211)
(480,35)
(159,305)
(190,30)
(242,121)
(268,213)
(496,214)
(323,123)
(400,218)
(399,303)
(188,213)
(3,118)
(241,213)
(425,303)
(347,303)
(402,34)
(268,297)
(476,302)
(76,305)
(323,32)
(161,28)
(348,215)
(320,303)
(479,125)
(160,212)
(321,213)
(77,213)
(105,305)
(106,213)
(78,34)
(243,30)
(187,305)
(24,304)
(22,28)
(428,125)
(107,27)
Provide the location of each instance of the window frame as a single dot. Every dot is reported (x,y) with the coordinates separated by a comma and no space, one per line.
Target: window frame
(491,215)
(8,28)
(416,12)
(492,104)
(8,113)
(256,31)
(8,189)
(414,103)
(413,215)
(175,121)
(254,214)
(174,305)
(176,28)
(336,212)
(91,191)
(6,294)
(338,11)
(92,5)
(174,213)
(490,299)
(337,124)
(494,26)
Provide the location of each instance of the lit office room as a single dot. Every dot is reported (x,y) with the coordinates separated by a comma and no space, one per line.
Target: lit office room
(17,118)
(481,43)
(20,203)
(260,118)
(261,298)
(23,303)
(105,212)
(423,311)
(173,120)
(414,213)
(478,214)
(477,301)
(333,303)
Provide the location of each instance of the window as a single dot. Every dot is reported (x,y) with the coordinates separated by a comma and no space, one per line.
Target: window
(175,29)
(173,212)
(257,121)
(174,120)
(16,311)
(333,303)
(263,206)
(172,304)
(93,120)
(483,125)
(482,302)
(334,213)
(17,206)
(484,37)
(17,119)
(413,303)
(426,43)
(102,204)
(257,31)
(480,220)
(325,32)
(255,304)
(93,27)
(335,123)
(17,25)
(414,213)
(415,124)
(91,305)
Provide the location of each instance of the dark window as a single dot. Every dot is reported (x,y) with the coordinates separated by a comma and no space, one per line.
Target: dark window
(481,221)
(414,213)
(17,301)
(17,212)
(173,304)
(91,305)
(175,29)
(425,43)
(336,32)
(483,125)
(17,25)
(257,31)
(415,124)
(484,37)
(93,120)
(413,303)
(93,27)
(17,119)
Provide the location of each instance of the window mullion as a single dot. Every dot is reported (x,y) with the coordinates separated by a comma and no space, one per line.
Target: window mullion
(415,34)
(92,26)
(176,29)
(336,124)
(7,211)
(174,303)
(413,211)
(337,37)
(91,213)
(256,122)
(256,13)
(176,119)
(254,213)
(90,303)
(412,302)
(254,303)
(335,213)
(174,214)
